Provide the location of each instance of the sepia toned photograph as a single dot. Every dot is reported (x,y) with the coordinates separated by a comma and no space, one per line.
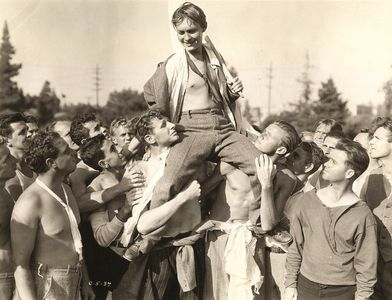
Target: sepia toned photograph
(206,150)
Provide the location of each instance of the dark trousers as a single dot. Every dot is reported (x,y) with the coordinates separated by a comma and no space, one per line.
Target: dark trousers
(207,135)
(160,279)
(309,290)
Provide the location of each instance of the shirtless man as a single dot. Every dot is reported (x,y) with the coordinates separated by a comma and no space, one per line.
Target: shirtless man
(107,221)
(7,171)
(334,253)
(82,128)
(192,89)
(47,247)
(234,198)
(14,128)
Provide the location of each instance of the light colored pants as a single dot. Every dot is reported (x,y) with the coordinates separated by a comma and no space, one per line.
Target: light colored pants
(7,286)
(55,283)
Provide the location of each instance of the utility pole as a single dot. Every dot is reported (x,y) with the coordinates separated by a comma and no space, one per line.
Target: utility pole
(305,80)
(269,86)
(97,84)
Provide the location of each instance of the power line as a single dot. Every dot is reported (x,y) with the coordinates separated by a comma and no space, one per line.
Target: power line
(269,86)
(97,84)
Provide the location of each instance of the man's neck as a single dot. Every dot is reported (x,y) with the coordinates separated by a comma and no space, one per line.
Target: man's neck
(117,173)
(340,189)
(387,165)
(51,178)
(17,153)
(197,54)
(158,150)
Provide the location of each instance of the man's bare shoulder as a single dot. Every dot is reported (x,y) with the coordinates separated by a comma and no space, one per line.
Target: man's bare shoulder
(30,201)
(226,169)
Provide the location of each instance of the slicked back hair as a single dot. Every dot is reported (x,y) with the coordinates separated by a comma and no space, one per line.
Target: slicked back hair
(357,157)
(143,124)
(292,139)
(6,120)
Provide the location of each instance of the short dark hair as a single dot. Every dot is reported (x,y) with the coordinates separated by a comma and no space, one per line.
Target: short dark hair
(357,157)
(91,151)
(30,119)
(40,148)
(191,11)
(337,135)
(292,139)
(316,155)
(6,120)
(143,124)
(334,125)
(78,132)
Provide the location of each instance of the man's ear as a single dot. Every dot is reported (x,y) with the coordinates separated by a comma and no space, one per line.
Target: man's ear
(350,173)
(50,162)
(281,150)
(103,164)
(150,139)
(309,167)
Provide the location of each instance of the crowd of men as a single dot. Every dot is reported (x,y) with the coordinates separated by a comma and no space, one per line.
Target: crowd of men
(187,201)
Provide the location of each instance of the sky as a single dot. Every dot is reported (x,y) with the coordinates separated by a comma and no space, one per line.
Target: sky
(63,41)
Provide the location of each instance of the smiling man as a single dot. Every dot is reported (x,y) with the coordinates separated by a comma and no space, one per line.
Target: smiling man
(334,253)
(193,88)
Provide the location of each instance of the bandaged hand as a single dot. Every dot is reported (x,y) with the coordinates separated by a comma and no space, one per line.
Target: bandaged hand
(266,170)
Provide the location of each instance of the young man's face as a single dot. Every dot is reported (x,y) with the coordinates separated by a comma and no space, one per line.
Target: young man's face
(164,132)
(381,143)
(94,128)
(190,35)
(335,168)
(7,163)
(319,135)
(18,137)
(63,128)
(122,136)
(270,139)
(67,158)
(112,158)
(329,144)
(298,160)
(32,129)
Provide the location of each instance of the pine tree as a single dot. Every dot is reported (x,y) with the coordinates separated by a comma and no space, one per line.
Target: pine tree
(330,104)
(47,103)
(11,96)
